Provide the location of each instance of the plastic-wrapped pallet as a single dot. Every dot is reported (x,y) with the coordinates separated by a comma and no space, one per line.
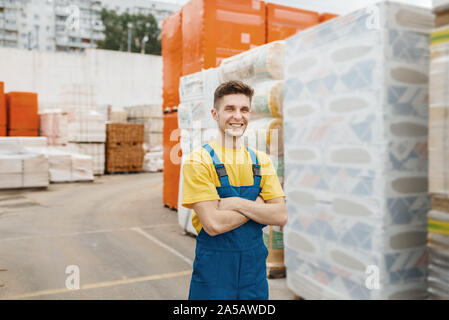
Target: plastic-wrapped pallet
(190,139)
(86,126)
(23,170)
(153,161)
(118,116)
(355,138)
(197,99)
(95,150)
(67,166)
(195,123)
(438,247)
(267,99)
(438,217)
(54,126)
(20,167)
(263,62)
(151,117)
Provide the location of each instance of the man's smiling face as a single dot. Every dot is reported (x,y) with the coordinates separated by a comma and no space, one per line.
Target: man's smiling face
(232,115)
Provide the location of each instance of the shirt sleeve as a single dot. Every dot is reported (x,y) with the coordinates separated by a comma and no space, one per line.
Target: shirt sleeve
(197,183)
(271,187)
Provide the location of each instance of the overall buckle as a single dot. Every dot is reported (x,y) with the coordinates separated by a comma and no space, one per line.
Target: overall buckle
(221,170)
(256,170)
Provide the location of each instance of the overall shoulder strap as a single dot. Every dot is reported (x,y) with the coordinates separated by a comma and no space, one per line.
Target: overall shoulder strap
(219,167)
(256,167)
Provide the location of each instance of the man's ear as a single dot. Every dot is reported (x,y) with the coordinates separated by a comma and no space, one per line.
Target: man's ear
(214,114)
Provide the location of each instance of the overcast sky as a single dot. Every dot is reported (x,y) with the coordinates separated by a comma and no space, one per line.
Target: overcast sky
(333,6)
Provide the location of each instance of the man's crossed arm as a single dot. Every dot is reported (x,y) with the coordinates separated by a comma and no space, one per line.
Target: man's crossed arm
(220,216)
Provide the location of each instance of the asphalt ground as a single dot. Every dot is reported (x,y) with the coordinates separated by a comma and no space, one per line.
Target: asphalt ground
(113,234)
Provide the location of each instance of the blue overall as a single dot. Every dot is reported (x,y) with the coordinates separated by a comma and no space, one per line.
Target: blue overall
(231,265)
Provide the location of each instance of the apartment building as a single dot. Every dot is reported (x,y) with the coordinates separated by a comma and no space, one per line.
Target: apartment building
(50,25)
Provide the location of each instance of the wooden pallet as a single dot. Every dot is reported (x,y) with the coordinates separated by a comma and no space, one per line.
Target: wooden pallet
(123,172)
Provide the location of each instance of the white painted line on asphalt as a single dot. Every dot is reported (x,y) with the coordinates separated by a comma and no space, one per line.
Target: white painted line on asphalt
(87,232)
(163,245)
(100,285)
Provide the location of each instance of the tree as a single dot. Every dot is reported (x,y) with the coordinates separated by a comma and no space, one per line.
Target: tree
(142,27)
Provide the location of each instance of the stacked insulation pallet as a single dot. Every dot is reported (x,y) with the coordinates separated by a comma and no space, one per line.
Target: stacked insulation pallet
(262,68)
(355,134)
(22,114)
(438,217)
(20,167)
(3,122)
(151,117)
(196,125)
(124,150)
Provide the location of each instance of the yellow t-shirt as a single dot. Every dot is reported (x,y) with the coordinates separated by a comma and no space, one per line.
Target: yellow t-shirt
(200,178)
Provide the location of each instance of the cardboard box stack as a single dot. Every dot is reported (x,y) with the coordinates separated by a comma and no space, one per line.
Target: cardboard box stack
(438,216)
(355,134)
(124,151)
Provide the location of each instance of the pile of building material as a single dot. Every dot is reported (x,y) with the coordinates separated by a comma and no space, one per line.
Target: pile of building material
(68,166)
(87,135)
(3,119)
(153,161)
(54,125)
(263,69)
(438,217)
(196,125)
(118,116)
(22,112)
(63,164)
(355,134)
(124,150)
(151,117)
(20,167)
(78,96)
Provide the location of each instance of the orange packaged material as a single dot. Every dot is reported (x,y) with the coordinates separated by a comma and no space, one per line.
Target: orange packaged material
(23,132)
(213,30)
(2,110)
(171,59)
(327,16)
(22,111)
(172,160)
(283,21)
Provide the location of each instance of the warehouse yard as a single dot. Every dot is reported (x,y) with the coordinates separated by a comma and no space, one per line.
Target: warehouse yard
(115,229)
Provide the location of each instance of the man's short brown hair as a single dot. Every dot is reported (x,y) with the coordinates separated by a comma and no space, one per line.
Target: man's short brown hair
(232,87)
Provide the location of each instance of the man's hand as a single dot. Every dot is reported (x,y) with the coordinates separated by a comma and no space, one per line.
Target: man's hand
(228,203)
(260,200)
(232,203)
